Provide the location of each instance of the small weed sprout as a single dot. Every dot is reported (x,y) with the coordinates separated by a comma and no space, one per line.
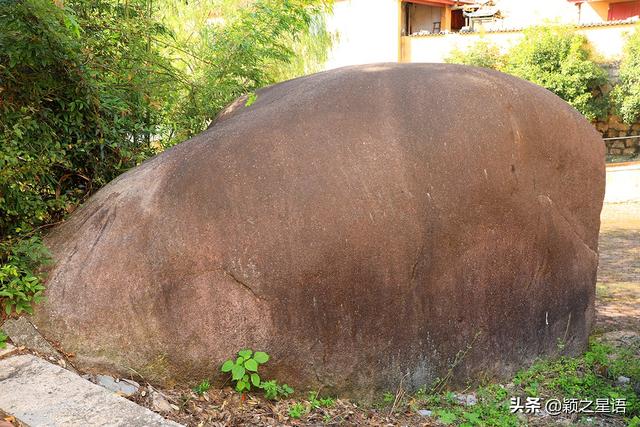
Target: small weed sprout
(297,410)
(244,371)
(3,340)
(319,402)
(202,388)
(274,391)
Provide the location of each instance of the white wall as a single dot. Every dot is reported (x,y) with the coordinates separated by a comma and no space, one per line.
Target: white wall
(523,13)
(607,43)
(368,31)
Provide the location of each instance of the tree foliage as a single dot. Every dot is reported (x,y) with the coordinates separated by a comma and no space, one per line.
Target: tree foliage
(77,104)
(559,59)
(480,54)
(94,87)
(255,46)
(626,94)
(554,57)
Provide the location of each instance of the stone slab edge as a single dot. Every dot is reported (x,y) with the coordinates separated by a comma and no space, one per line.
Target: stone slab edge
(40,393)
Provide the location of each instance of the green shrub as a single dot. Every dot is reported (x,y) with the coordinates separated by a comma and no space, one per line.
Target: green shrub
(76,104)
(20,284)
(559,59)
(626,94)
(257,45)
(480,54)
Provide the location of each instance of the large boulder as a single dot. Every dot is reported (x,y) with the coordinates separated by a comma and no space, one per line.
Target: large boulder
(364,226)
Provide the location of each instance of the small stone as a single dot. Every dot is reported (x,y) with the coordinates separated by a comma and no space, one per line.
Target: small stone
(424,412)
(467,399)
(39,393)
(618,144)
(623,380)
(159,403)
(125,387)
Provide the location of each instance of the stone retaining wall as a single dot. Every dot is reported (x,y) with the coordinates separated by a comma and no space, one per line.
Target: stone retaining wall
(613,128)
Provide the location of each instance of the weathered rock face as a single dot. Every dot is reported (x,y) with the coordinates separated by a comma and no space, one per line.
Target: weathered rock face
(361,225)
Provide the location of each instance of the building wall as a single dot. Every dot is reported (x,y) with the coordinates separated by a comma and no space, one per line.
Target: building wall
(594,12)
(423,17)
(519,13)
(607,41)
(368,31)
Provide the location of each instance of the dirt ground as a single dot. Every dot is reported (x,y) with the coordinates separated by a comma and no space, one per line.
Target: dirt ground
(618,292)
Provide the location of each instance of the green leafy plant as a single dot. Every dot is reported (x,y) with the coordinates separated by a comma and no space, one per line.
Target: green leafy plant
(591,376)
(446,416)
(388,397)
(273,391)
(297,410)
(202,388)
(481,54)
(560,59)
(257,44)
(3,340)
(626,94)
(20,285)
(319,402)
(244,369)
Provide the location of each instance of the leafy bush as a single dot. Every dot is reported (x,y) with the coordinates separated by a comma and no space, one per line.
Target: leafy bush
(20,285)
(559,59)
(255,46)
(480,54)
(626,94)
(75,105)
